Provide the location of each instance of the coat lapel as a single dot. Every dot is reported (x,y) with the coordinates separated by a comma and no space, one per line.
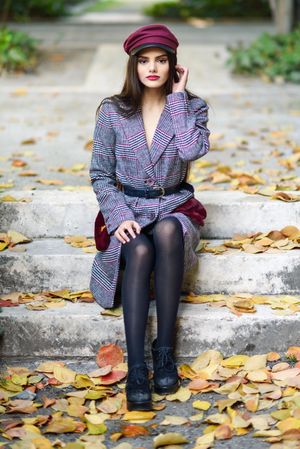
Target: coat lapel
(135,134)
(162,136)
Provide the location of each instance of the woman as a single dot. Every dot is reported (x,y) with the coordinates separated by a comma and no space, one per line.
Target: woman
(144,140)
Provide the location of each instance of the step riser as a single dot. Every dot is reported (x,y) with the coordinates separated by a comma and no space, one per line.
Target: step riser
(59,214)
(241,272)
(47,334)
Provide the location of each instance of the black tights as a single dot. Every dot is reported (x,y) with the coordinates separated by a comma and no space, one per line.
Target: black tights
(163,251)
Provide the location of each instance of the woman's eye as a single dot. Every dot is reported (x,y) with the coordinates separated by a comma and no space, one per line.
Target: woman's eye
(163,60)
(141,61)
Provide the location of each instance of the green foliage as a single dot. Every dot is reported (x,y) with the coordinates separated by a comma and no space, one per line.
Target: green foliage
(22,10)
(271,56)
(164,9)
(18,51)
(182,9)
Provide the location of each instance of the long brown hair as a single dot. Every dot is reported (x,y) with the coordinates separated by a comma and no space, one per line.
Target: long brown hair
(128,101)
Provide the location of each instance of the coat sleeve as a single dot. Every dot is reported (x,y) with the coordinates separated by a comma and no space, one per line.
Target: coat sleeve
(191,133)
(102,173)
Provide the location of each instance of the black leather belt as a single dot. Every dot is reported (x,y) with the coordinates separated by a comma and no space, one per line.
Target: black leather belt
(155,191)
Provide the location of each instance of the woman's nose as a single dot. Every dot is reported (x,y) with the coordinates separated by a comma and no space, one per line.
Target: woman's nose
(152,66)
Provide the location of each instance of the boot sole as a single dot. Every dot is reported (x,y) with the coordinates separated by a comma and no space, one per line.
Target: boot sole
(139,405)
(166,390)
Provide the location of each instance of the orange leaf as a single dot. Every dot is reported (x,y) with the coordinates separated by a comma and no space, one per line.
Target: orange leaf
(133,430)
(109,355)
(223,432)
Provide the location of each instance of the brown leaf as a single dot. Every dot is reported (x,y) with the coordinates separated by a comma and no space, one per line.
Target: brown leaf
(223,432)
(28,141)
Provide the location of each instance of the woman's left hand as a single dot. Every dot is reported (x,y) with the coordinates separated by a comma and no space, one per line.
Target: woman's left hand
(183,77)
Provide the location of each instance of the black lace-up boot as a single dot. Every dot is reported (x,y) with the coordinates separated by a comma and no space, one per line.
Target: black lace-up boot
(166,379)
(138,391)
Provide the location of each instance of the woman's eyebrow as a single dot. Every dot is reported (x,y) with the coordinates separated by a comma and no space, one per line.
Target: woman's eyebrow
(146,57)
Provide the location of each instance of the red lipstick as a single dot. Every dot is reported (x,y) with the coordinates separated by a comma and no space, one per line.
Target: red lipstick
(152,77)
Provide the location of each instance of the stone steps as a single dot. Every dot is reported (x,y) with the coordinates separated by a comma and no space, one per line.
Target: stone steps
(56,213)
(77,330)
(51,264)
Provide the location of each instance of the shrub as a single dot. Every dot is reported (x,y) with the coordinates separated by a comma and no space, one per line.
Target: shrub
(269,56)
(182,9)
(21,10)
(18,51)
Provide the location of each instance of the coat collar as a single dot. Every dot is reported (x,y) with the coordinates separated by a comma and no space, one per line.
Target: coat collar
(135,133)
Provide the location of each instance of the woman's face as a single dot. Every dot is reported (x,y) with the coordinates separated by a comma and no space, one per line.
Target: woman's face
(153,67)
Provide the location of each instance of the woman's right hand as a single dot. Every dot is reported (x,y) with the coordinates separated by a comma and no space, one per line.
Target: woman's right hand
(125,227)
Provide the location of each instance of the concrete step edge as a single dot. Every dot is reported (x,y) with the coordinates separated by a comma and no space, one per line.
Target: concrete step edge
(78,330)
(51,264)
(58,213)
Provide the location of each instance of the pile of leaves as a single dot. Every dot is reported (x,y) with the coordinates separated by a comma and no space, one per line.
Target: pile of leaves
(272,57)
(11,238)
(46,299)
(80,241)
(259,242)
(88,403)
(240,303)
(18,51)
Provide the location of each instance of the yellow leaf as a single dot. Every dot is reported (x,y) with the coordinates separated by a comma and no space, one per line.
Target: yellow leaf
(205,439)
(217,418)
(257,375)
(256,362)
(48,367)
(63,374)
(139,415)
(183,394)
(196,417)
(42,443)
(202,405)
(168,438)
(235,361)
(17,237)
(50,182)
(83,381)
(281,415)
(288,424)
(61,424)
(208,361)
(174,420)
(187,372)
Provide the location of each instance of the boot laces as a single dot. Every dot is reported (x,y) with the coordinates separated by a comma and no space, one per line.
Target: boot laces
(165,359)
(138,374)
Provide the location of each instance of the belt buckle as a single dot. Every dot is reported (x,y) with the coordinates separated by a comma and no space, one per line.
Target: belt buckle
(163,191)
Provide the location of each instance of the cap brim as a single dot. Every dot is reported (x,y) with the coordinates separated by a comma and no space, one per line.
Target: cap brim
(141,47)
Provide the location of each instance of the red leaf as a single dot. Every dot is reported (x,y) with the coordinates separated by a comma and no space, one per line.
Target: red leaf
(113,377)
(7,303)
(109,355)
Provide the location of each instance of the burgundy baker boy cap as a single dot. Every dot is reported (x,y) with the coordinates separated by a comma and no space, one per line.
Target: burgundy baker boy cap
(155,35)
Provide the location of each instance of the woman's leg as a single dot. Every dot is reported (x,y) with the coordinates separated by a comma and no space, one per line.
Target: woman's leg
(168,275)
(139,262)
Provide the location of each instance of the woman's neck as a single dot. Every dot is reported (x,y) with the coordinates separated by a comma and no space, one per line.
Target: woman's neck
(153,97)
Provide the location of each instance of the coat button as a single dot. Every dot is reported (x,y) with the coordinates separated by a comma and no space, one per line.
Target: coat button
(149,181)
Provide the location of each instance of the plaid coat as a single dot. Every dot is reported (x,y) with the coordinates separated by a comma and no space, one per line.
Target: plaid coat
(120,152)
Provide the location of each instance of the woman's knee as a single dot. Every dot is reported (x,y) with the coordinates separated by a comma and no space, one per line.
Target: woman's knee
(167,228)
(140,248)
